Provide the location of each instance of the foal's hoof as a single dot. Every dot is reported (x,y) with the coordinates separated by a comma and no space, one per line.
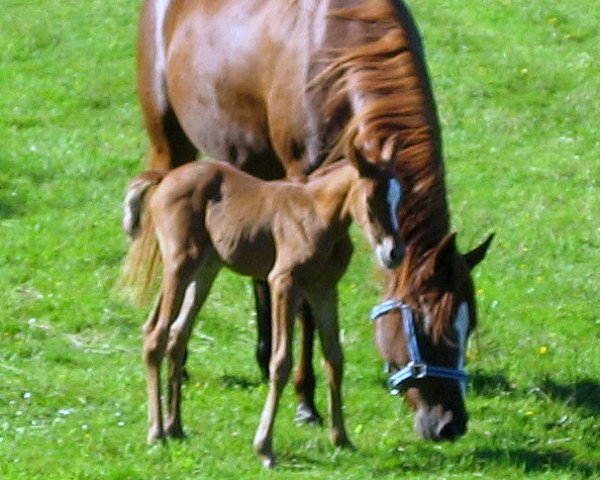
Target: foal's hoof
(154,436)
(306,415)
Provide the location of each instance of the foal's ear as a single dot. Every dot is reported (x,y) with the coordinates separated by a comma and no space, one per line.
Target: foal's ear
(365,168)
(478,253)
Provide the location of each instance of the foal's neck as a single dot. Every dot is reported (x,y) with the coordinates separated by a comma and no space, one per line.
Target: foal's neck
(332,191)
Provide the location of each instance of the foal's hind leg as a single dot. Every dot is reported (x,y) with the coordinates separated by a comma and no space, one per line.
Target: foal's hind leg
(179,335)
(156,334)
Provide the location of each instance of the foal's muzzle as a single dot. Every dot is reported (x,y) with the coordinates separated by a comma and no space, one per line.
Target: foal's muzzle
(390,252)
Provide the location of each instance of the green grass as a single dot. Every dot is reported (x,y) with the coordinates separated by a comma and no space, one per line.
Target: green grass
(517,88)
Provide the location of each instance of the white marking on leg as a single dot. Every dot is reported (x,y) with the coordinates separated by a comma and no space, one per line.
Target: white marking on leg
(160,12)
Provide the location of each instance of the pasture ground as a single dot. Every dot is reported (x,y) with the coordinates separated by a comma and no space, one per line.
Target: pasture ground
(517,88)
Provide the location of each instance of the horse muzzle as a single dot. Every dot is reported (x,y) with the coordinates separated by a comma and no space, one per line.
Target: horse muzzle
(389,252)
(437,424)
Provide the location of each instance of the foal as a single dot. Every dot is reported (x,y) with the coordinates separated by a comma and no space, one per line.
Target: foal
(208,214)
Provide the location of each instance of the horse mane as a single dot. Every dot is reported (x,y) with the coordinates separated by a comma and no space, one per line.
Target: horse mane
(388,70)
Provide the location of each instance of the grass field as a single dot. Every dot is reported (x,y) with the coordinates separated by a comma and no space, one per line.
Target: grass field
(517,85)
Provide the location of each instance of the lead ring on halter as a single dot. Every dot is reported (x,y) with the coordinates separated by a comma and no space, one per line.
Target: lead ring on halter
(416,368)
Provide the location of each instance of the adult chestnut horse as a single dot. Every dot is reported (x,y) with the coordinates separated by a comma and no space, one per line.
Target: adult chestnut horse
(276,87)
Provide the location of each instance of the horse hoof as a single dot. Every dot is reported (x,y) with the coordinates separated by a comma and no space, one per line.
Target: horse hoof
(268,461)
(176,433)
(307,416)
(341,441)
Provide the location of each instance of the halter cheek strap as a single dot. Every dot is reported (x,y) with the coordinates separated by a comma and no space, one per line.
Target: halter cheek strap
(416,368)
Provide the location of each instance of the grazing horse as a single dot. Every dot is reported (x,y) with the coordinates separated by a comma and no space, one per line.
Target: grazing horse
(277,87)
(294,236)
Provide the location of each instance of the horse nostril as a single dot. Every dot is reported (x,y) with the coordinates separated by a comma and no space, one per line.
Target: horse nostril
(448,432)
(450,429)
(397,253)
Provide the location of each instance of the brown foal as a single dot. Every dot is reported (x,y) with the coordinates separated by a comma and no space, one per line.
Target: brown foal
(208,214)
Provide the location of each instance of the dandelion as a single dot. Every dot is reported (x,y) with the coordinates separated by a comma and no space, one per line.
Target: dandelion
(542,350)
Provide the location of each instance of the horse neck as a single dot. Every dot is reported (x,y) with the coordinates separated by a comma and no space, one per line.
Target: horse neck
(332,194)
(385,83)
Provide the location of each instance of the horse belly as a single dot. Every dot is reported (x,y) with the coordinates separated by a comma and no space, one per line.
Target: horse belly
(221,81)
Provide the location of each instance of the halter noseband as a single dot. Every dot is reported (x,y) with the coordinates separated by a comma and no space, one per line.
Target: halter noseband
(416,368)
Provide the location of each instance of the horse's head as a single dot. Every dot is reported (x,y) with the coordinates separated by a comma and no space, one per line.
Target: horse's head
(379,196)
(422,334)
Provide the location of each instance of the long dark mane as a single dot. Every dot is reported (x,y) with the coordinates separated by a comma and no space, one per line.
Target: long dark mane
(396,103)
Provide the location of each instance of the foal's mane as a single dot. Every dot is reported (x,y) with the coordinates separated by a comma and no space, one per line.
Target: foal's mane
(388,71)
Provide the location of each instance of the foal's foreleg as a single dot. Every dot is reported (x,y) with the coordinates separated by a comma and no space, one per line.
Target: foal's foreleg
(285,302)
(179,335)
(326,318)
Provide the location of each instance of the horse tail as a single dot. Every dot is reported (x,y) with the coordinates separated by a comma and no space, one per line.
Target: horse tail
(140,272)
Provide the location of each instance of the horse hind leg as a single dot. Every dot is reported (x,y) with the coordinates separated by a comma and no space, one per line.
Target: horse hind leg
(262,301)
(304,379)
(179,335)
(170,146)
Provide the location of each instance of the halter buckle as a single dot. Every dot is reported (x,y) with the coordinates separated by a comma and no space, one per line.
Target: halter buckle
(417,370)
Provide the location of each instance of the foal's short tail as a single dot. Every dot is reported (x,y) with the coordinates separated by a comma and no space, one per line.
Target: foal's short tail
(140,272)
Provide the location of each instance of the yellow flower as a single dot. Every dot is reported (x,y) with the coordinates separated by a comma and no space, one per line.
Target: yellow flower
(543,350)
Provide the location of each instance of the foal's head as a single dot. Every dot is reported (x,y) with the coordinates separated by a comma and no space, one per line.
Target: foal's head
(377,196)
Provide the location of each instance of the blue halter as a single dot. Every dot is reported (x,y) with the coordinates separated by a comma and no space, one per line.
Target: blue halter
(416,368)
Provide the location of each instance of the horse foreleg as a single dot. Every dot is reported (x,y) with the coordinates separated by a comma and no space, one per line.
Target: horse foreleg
(326,318)
(304,379)
(179,335)
(262,301)
(285,301)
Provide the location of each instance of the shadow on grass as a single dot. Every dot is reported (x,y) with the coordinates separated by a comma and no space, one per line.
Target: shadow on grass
(490,385)
(238,383)
(8,211)
(584,394)
(538,461)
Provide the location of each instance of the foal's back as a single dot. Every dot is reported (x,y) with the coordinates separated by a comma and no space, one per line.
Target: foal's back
(250,224)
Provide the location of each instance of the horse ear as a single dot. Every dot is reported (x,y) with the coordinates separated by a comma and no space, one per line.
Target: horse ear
(443,252)
(478,253)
